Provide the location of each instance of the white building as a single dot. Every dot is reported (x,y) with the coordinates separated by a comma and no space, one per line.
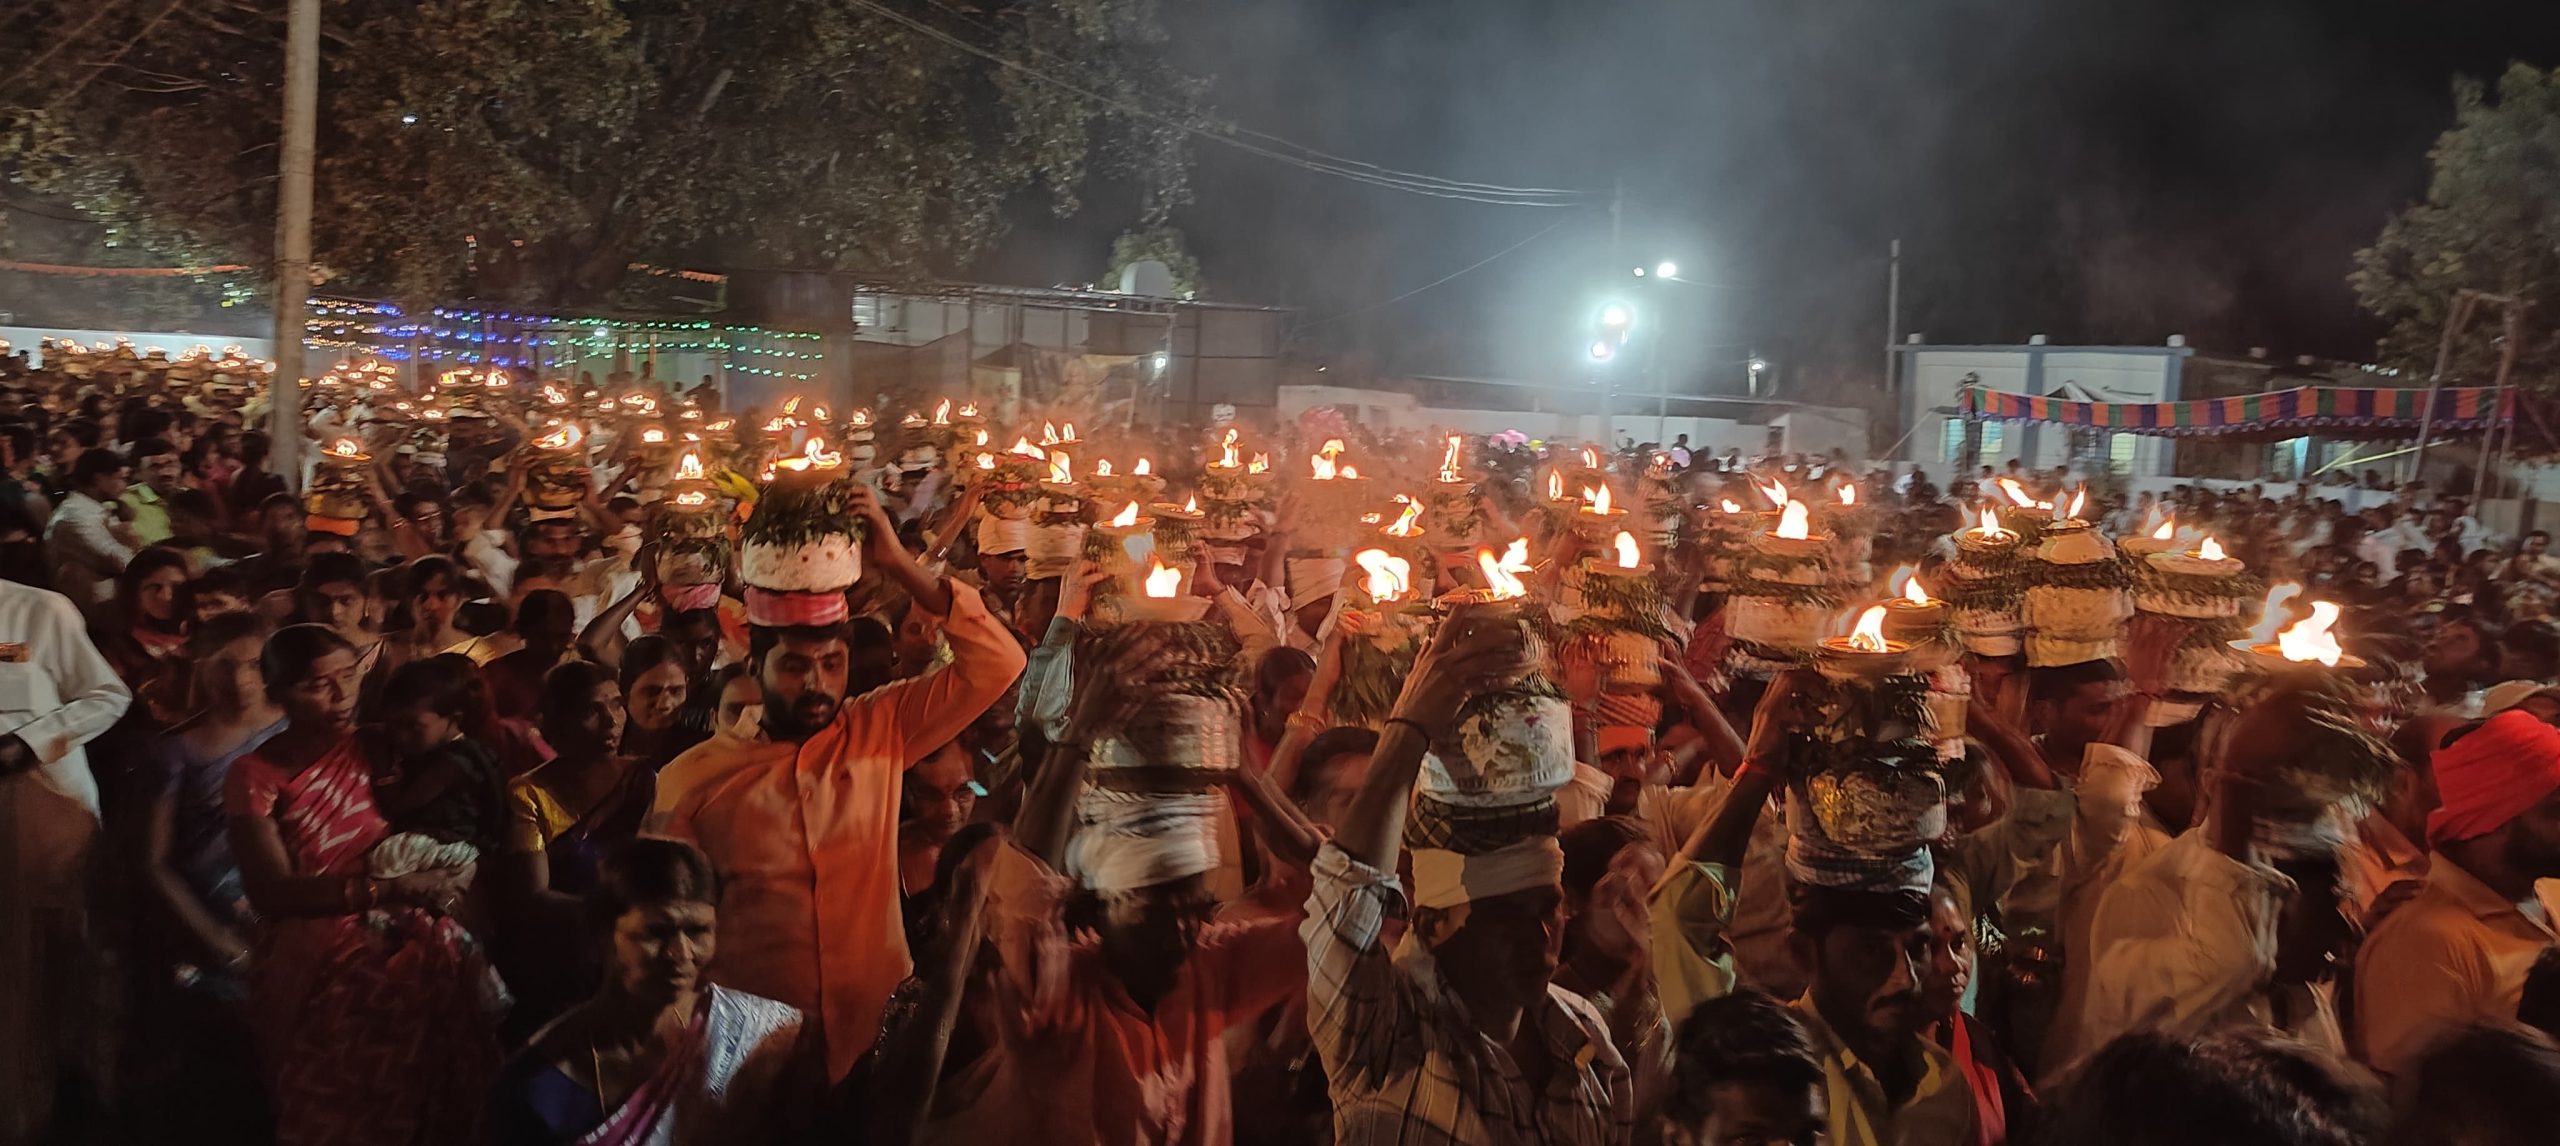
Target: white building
(1929,380)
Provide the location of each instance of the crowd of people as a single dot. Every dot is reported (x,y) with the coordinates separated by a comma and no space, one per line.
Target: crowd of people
(460,815)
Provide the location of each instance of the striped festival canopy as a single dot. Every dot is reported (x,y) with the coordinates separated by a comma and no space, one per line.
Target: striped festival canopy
(2351,412)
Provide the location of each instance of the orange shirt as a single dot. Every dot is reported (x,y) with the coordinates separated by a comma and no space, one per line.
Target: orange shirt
(805,836)
(1079,1061)
(2455,953)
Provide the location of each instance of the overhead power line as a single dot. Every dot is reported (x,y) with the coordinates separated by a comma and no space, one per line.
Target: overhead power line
(1443,280)
(1309,159)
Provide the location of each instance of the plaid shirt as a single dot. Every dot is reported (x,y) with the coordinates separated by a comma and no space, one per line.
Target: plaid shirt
(1409,1068)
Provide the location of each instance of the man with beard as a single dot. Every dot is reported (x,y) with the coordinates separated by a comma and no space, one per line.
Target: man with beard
(802,820)
(2459,950)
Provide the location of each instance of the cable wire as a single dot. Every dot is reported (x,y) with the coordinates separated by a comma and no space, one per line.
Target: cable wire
(1378,177)
(1441,281)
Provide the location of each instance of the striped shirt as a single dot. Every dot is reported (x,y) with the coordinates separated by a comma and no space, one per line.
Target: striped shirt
(1409,1068)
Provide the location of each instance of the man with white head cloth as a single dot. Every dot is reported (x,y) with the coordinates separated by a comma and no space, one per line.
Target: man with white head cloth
(1120,1039)
(1457,1036)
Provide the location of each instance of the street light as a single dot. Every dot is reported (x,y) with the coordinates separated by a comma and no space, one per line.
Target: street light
(1617,317)
(1666,269)
(1602,350)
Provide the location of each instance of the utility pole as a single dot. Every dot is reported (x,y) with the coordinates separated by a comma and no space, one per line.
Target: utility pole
(293,236)
(1893,329)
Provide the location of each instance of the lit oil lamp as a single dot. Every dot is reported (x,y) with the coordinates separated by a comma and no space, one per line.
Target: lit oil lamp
(1599,515)
(1864,654)
(1385,577)
(2307,645)
(2163,539)
(1624,558)
(1913,616)
(1162,597)
(1505,577)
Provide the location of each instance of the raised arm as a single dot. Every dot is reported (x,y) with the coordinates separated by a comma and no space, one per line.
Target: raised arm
(1468,655)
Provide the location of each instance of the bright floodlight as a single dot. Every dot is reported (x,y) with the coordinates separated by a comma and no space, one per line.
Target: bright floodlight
(1667,269)
(1603,350)
(1617,316)
(1639,272)
(1759,365)
(1159,360)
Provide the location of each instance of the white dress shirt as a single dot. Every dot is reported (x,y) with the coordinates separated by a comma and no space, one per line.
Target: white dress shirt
(87,556)
(56,693)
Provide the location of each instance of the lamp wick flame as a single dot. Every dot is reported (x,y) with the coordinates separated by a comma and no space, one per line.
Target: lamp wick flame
(1449,461)
(2312,639)
(1775,491)
(1502,574)
(1261,464)
(1143,468)
(1191,504)
(1794,522)
(1127,517)
(1164,581)
(2168,528)
(1389,577)
(1914,592)
(1598,498)
(1868,635)
(1403,526)
(2210,550)
(2079,500)
(1062,468)
(1629,557)
(2271,612)
(1102,468)
(1729,505)
(689,466)
(1849,494)
(2017,493)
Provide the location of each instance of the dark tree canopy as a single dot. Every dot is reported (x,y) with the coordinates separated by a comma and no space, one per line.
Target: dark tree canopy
(531,150)
(2490,222)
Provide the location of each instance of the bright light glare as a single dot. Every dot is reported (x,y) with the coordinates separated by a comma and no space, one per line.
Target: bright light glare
(1666,269)
(1603,350)
(1759,366)
(1617,316)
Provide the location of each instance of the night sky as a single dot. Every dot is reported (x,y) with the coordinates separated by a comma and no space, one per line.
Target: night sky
(2093,170)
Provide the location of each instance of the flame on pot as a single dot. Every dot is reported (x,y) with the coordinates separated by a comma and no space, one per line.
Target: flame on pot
(2311,638)
(1127,518)
(1142,469)
(1502,576)
(982,436)
(1227,455)
(1062,469)
(1849,494)
(1989,526)
(689,467)
(2079,501)
(566,437)
(1775,491)
(1322,467)
(814,455)
(1102,467)
(552,394)
(986,461)
(1449,461)
(942,413)
(1261,464)
(1067,432)
(1048,433)
(1350,473)
(693,498)
(1389,577)
(860,418)
(1590,458)
(2017,493)
(1022,448)
(1164,581)
(1868,635)
(818,413)
(1629,556)
(653,436)
(1597,500)
(1729,505)
(1555,485)
(2168,528)
(345,448)
(2210,550)
(1191,504)
(968,409)
(1794,523)
(2271,612)
(1914,592)
(791,405)
(1403,526)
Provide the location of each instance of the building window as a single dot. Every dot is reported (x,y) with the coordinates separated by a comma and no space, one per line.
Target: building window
(1995,440)
(2120,454)
(1951,443)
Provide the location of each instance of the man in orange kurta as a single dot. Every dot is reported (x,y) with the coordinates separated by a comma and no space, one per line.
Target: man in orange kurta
(804,832)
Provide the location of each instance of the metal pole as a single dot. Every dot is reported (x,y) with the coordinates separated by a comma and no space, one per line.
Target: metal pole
(1892,329)
(2453,323)
(293,236)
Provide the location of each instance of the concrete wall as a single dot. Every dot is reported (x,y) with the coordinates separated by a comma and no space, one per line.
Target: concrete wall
(1933,376)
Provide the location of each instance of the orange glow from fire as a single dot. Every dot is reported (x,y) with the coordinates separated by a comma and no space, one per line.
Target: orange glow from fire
(1164,581)
(1794,523)
(2310,638)
(1868,635)
(2211,550)
(1127,518)
(1389,577)
(689,467)
(1502,575)
(1629,556)
(1449,461)
(1403,526)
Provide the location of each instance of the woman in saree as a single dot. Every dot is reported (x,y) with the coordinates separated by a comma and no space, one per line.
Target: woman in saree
(563,819)
(372,1007)
(658,1056)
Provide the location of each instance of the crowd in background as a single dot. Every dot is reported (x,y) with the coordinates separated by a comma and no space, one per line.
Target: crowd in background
(453,829)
